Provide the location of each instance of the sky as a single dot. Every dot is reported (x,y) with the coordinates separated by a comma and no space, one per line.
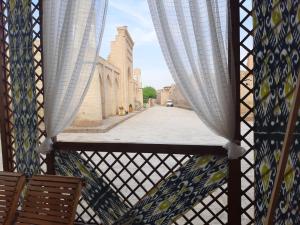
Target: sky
(147,54)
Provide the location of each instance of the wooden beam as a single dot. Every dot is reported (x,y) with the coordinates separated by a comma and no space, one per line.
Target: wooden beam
(141,148)
(234,166)
(50,163)
(288,138)
(3,98)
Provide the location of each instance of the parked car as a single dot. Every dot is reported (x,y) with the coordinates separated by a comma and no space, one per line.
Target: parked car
(169,103)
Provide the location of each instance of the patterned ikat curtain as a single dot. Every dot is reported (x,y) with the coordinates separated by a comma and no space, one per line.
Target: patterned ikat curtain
(276,54)
(23,86)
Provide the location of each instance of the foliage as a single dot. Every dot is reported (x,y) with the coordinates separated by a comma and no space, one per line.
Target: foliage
(148,92)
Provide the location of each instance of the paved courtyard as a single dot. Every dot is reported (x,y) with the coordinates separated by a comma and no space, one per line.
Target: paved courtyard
(155,125)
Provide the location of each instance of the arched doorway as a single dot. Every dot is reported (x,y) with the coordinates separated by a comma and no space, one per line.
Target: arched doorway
(129,91)
(102,93)
(116,95)
(108,96)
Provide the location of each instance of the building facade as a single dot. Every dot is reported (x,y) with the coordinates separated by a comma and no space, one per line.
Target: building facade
(163,95)
(174,94)
(116,88)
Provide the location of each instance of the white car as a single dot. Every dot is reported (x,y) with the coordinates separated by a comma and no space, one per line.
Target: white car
(169,103)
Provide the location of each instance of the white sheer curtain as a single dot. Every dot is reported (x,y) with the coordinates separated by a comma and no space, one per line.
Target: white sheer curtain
(194,40)
(72,32)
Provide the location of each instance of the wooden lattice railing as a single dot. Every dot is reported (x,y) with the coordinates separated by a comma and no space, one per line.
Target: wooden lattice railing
(245,46)
(134,169)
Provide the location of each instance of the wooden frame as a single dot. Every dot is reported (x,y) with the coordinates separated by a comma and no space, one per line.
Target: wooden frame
(234,180)
(234,166)
(141,148)
(4,112)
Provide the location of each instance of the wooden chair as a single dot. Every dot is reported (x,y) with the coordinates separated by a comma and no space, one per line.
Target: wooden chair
(50,200)
(11,185)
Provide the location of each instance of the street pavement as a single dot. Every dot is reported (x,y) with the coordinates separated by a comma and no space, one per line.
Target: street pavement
(159,124)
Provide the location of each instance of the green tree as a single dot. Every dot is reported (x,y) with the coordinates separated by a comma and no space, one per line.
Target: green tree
(148,92)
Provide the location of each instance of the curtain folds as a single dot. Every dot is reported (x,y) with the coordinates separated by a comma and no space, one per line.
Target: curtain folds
(194,39)
(72,33)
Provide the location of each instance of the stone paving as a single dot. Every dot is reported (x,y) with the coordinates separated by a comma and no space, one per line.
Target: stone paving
(158,124)
(105,126)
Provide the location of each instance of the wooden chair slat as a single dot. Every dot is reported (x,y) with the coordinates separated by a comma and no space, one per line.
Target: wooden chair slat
(52,212)
(51,184)
(44,216)
(61,179)
(4,200)
(48,206)
(7,188)
(6,193)
(8,177)
(52,189)
(54,202)
(4,207)
(11,185)
(30,221)
(50,200)
(7,183)
(3,214)
(37,194)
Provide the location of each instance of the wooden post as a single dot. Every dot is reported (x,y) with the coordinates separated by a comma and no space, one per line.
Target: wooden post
(50,159)
(50,163)
(288,138)
(50,156)
(234,166)
(7,164)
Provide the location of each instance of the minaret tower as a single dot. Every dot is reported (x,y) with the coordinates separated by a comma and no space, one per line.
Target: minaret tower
(121,56)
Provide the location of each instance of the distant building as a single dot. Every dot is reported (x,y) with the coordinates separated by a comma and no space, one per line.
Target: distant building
(178,99)
(115,88)
(163,95)
(248,83)
(172,93)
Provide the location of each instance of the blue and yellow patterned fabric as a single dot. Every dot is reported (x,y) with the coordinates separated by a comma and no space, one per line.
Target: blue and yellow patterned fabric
(200,176)
(23,86)
(276,69)
(197,178)
(96,192)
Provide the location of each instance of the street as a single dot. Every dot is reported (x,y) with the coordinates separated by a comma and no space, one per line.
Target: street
(159,124)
